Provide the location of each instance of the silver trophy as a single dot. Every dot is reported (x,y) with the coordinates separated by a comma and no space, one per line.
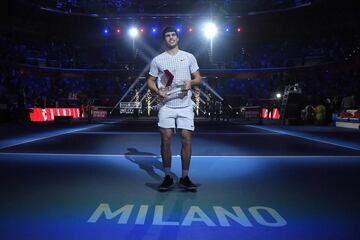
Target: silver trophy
(170,87)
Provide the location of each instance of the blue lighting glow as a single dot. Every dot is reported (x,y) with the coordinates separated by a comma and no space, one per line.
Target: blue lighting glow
(154,30)
(106,31)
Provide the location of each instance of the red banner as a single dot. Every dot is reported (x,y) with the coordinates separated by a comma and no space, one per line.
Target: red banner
(273,114)
(49,114)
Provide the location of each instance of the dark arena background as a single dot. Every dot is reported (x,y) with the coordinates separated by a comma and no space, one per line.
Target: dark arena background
(276,146)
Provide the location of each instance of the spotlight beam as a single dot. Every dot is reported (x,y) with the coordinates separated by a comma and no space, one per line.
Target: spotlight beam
(212,90)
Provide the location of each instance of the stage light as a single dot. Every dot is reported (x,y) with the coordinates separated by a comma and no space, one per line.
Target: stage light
(190,29)
(154,30)
(118,30)
(227,29)
(106,31)
(142,29)
(178,30)
(278,95)
(133,32)
(238,29)
(210,30)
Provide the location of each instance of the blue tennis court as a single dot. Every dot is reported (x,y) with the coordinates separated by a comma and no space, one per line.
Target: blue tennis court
(99,181)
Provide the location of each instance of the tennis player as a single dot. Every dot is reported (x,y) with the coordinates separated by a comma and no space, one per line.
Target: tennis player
(171,76)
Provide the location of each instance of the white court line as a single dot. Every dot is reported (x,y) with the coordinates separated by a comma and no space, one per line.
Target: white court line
(157,133)
(118,133)
(194,156)
(304,137)
(29,139)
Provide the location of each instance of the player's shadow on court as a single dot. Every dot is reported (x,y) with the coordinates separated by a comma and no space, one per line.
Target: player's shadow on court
(148,162)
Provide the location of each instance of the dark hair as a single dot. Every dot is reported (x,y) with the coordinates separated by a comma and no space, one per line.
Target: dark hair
(169,29)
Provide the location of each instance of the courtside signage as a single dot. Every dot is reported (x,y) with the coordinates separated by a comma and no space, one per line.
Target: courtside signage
(49,114)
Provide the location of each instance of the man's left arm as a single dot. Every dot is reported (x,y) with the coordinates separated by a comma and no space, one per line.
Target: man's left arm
(196,80)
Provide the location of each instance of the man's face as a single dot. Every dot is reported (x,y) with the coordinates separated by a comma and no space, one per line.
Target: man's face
(171,40)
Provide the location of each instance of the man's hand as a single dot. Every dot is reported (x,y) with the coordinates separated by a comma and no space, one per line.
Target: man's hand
(187,85)
(161,93)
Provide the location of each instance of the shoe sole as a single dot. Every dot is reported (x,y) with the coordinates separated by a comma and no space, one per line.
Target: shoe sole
(192,189)
(164,189)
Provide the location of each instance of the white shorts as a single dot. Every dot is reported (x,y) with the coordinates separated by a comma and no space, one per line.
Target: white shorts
(181,118)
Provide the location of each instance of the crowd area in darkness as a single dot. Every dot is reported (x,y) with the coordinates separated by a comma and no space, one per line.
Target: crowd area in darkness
(288,53)
(337,89)
(27,58)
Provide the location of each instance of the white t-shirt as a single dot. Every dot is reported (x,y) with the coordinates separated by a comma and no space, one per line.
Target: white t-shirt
(181,65)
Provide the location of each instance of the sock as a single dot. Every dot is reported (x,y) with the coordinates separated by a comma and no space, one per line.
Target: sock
(167,171)
(185,173)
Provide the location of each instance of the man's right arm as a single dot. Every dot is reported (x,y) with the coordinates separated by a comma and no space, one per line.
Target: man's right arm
(152,86)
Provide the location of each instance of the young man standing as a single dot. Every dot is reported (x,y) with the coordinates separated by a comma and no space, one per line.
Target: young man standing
(171,76)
